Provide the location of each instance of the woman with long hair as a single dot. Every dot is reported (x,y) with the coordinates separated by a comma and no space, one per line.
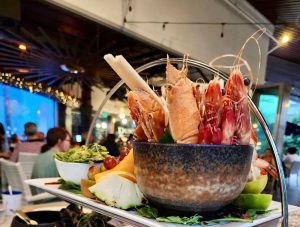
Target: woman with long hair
(58,139)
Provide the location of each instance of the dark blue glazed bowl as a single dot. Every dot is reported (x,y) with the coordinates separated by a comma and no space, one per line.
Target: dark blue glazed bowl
(191,177)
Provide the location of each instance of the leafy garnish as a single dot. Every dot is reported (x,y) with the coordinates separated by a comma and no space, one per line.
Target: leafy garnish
(245,216)
(255,212)
(229,219)
(150,212)
(195,219)
(83,154)
(166,137)
(69,186)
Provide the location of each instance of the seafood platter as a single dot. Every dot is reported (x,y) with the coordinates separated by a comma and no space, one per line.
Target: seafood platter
(193,161)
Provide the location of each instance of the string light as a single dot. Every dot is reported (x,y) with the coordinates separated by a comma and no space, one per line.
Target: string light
(22,47)
(285,38)
(33,87)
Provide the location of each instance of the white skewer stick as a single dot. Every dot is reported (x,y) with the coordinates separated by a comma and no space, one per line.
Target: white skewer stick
(133,79)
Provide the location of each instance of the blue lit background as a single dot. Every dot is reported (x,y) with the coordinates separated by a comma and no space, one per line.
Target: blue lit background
(19,106)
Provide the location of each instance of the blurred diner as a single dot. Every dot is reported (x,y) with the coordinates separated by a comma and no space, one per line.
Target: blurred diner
(58,139)
(2,137)
(13,141)
(290,157)
(111,145)
(33,143)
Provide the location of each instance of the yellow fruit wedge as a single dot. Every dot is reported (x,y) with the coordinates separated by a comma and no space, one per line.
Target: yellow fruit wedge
(126,165)
(127,175)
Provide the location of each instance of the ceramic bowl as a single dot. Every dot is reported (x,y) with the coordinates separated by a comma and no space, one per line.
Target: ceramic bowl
(74,172)
(44,218)
(191,178)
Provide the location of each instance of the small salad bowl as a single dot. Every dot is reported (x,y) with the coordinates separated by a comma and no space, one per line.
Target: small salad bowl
(74,164)
(191,177)
(72,171)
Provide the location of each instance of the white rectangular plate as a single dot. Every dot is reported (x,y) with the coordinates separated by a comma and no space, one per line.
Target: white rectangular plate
(130,216)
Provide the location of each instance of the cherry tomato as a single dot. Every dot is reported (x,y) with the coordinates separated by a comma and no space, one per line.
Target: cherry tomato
(110,162)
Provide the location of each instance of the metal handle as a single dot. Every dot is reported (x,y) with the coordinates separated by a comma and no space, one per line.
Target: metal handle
(258,115)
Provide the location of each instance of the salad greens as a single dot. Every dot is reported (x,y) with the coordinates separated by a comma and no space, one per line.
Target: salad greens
(83,154)
(151,212)
(180,220)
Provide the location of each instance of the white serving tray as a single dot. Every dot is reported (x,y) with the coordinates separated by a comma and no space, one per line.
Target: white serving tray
(130,216)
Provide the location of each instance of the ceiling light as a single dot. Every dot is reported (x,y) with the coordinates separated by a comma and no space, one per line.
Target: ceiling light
(23,70)
(285,38)
(22,46)
(74,69)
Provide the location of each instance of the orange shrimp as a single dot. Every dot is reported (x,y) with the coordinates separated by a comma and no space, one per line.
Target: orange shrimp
(148,115)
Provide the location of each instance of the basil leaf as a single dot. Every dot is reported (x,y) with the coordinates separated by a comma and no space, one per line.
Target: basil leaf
(254,212)
(69,186)
(147,212)
(178,220)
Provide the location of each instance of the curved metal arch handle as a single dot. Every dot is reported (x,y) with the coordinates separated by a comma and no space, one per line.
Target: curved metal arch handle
(258,115)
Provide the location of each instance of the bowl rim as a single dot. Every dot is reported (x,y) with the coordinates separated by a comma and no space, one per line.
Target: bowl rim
(192,145)
(86,163)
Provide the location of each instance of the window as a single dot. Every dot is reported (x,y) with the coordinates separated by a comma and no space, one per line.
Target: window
(20,106)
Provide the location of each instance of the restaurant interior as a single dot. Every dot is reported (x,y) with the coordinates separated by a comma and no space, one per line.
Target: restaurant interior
(55,81)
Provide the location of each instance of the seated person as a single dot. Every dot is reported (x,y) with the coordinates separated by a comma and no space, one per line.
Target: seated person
(58,139)
(111,145)
(290,157)
(13,141)
(31,145)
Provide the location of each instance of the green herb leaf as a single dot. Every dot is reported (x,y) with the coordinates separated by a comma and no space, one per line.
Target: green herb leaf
(148,212)
(254,212)
(69,186)
(166,137)
(181,220)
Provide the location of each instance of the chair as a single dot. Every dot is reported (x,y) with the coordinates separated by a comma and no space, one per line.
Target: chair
(295,169)
(13,174)
(27,161)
